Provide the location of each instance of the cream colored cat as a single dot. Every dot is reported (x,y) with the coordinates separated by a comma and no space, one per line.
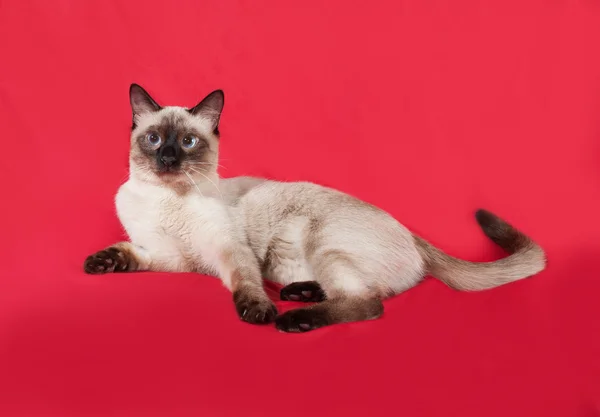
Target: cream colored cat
(323,245)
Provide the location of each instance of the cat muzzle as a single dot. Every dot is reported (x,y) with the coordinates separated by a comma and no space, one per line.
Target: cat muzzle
(168,161)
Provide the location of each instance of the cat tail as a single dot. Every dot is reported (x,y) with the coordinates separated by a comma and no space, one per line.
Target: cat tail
(526,258)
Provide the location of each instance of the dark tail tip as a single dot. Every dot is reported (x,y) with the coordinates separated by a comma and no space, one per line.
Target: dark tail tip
(502,233)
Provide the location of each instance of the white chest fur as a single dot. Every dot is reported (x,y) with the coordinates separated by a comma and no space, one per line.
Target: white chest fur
(179,233)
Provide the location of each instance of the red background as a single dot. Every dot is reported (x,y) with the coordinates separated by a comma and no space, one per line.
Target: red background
(427,109)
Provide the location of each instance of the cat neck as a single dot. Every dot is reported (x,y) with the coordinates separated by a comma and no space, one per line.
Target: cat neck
(205,185)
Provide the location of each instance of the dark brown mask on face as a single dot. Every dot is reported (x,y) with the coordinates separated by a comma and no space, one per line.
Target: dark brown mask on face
(174,141)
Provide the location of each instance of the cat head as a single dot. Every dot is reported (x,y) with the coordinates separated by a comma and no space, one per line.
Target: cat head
(174,145)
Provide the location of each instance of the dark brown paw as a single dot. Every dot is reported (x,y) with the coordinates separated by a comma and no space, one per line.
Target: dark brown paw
(253,308)
(301,320)
(105,261)
(307,291)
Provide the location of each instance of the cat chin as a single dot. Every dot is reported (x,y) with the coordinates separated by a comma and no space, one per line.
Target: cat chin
(175,178)
(169,174)
(171,177)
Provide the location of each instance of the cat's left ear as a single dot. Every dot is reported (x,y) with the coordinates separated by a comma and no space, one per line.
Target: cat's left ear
(141,102)
(210,109)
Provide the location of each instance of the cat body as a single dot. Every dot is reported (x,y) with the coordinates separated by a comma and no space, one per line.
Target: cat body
(308,226)
(323,245)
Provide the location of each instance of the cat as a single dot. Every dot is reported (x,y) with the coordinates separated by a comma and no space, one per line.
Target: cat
(324,246)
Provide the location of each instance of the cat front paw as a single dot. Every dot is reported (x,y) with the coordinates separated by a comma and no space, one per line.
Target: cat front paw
(106,261)
(254,309)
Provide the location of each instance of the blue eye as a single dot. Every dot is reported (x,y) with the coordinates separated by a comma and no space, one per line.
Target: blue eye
(189,142)
(153,139)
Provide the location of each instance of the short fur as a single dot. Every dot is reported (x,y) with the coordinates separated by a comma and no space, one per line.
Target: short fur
(321,244)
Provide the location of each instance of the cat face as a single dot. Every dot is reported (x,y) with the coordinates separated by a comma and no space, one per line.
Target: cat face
(174,144)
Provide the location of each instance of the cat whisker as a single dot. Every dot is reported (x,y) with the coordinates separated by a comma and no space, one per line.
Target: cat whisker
(193,182)
(206,163)
(125,179)
(211,181)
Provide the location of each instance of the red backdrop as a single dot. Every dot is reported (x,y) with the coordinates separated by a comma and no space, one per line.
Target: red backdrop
(427,109)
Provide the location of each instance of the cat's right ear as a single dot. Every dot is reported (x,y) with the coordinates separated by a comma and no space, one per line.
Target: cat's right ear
(141,102)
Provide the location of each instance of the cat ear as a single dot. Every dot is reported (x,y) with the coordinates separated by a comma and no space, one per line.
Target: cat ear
(141,102)
(210,108)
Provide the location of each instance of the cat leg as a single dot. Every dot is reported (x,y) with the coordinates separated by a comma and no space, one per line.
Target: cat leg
(240,272)
(342,309)
(349,293)
(120,257)
(306,291)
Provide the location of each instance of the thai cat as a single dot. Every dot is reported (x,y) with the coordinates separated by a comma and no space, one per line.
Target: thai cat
(324,246)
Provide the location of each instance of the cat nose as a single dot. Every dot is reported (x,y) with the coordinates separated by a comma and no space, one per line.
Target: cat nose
(168,160)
